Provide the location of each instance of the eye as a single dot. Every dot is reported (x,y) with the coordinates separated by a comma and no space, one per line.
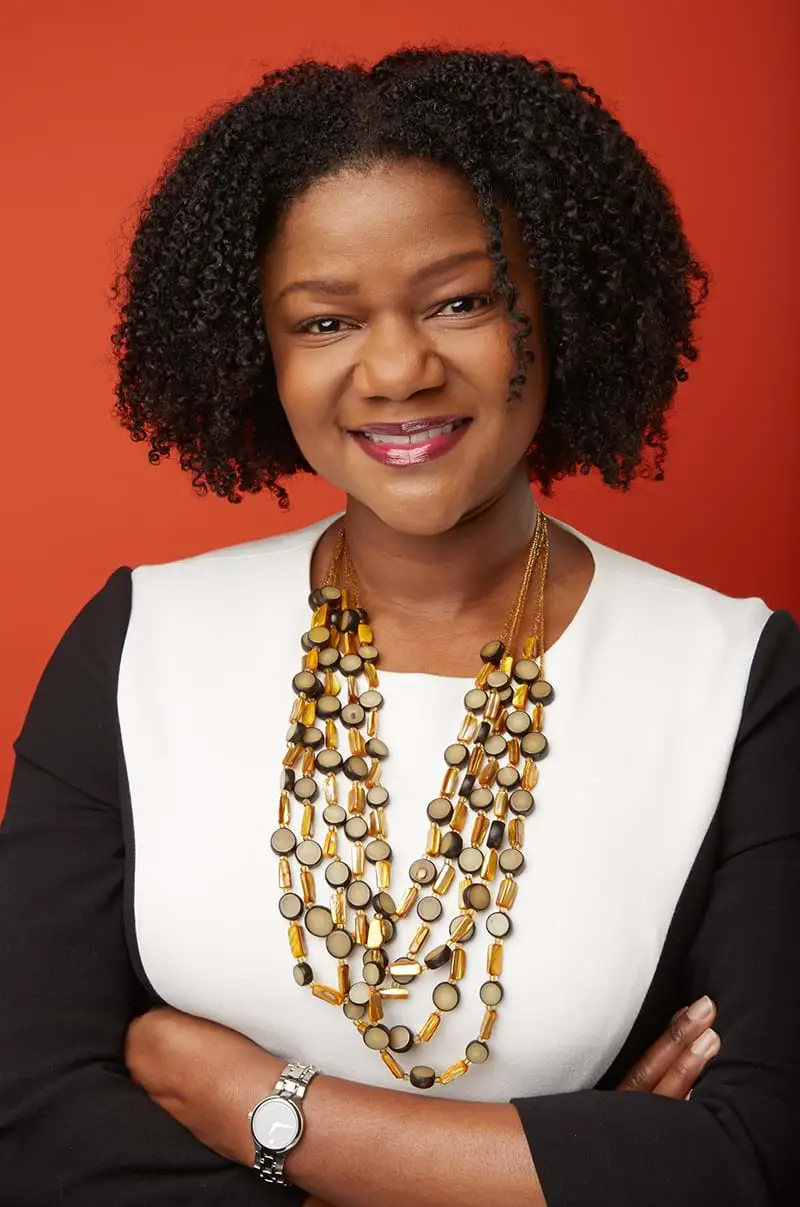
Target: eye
(305,327)
(486,298)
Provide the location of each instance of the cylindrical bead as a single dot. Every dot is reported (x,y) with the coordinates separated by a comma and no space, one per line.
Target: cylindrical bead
(479,828)
(455,1071)
(507,893)
(392,1065)
(516,832)
(434,839)
(429,1027)
(458,964)
(284,873)
(460,814)
(487,1024)
(444,879)
(419,940)
(408,901)
(307,887)
(494,961)
(297,942)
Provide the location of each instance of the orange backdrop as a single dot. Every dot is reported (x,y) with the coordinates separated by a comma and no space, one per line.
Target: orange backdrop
(96,93)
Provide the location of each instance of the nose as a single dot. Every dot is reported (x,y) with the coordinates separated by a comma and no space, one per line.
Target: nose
(397,360)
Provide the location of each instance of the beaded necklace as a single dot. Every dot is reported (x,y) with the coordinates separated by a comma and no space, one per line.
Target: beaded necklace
(491,770)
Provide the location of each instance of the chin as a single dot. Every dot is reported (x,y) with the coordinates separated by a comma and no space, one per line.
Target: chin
(419,517)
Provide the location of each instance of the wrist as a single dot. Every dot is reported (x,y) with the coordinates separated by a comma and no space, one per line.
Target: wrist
(277,1122)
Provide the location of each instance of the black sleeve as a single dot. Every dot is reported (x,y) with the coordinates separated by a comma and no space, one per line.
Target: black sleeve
(737,1141)
(74,1129)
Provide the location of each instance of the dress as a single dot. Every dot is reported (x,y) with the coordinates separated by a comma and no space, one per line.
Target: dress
(662,862)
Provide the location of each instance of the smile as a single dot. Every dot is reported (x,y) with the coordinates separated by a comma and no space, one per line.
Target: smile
(413,443)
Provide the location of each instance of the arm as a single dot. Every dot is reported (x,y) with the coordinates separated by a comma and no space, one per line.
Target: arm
(735,1142)
(73,1127)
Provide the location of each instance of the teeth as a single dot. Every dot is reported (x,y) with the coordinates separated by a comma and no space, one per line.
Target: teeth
(414,437)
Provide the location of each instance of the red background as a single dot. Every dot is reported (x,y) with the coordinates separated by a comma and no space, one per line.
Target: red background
(95,94)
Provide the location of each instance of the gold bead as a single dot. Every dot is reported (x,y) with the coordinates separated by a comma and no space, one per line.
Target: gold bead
(469,727)
(460,814)
(483,674)
(309,712)
(479,828)
(330,844)
(307,824)
(359,859)
(320,616)
(373,824)
(520,697)
(374,774)
(394,992)
(331,734)
(376,934)
(357,798)
(331,790)
(475,760)
(455,1071)
(343,973)
(516,832)
(513,751)
(530,774)
(461,928)
(537,716)
(507,893)
(375,1007)
(429,1027)
(297,942)
(380,813)
(405,968)
(443,881)
(307,887)
(487,1024)
(493,706)
(391,1064)
(297,709)
(352,684)
(489,869)
(408,901)
(507,663)
(346,600)
(365,636)
(360,929)
(458,964)
(292,756)
(501,803)
(449,782)
(489,773)
(357,744)
(311,660)
(529,647)
(499,723)
(309,765)
(384,870)
(350,643)
(338,907)
(284,810)
(434,839)
(494,961)
(419,940)
(326,994)
(372,674)
(284,873)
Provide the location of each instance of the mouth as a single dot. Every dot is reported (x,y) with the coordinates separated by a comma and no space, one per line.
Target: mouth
(413,443)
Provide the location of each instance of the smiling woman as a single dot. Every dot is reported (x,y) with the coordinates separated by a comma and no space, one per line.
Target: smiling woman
(368,863)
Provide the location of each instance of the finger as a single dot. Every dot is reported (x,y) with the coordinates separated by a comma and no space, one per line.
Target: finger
(684,1028)
(679,1080)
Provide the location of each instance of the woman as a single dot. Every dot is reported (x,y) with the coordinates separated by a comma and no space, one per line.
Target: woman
(429,282)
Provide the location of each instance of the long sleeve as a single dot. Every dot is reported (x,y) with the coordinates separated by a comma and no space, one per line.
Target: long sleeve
(737,1141)
(74,1129)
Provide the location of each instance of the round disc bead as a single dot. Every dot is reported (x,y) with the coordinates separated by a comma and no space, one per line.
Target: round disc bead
(422,1077)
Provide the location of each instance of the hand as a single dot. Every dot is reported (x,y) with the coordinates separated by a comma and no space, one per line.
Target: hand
(206,1076)
(674,1062)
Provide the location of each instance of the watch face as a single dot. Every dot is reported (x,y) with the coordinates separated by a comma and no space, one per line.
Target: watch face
(277,1124)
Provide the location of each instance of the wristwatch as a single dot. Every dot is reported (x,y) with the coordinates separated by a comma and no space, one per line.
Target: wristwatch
(277,1122)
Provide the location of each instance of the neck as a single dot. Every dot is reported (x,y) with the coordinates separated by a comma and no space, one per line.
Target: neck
(450,573)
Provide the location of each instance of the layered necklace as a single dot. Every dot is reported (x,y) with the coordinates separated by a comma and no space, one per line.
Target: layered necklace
(333,768)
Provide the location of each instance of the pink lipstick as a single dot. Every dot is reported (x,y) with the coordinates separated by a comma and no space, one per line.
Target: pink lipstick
(413,443)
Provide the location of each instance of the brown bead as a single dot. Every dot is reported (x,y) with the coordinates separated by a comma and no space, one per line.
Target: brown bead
(353,1011)
(478,897)
(291,906)
(440,810)
(534,745)
(309,853)
(378,850)
(429,909)
(400,1039)
(438,957)
(470,860)
(422,1077)
(495,837)
(356,828)
(521,802)
(282,841)
(498,925)
(475,700)
(302,973)
(356,768)
(360,993)
(456,755)
(376,1037)
(481,798)
(491,993)
(422,871)
(518,723)
(542,692)
(511,860)
(318,921)
(371,699)
(339,944)
(377,797)
(451,845)
(446,996)
(383,903)
(306,789)
(352,715)
(492,652)
(477,1052)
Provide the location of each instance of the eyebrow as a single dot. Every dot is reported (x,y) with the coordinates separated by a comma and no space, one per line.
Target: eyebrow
(347,288)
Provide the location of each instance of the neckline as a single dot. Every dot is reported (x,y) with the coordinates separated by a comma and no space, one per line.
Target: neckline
(579,620)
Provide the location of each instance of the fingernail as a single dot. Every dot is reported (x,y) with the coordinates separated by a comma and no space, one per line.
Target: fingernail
(706,1045)
(700,1009)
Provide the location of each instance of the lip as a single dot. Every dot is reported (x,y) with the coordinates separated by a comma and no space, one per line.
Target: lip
(402,456)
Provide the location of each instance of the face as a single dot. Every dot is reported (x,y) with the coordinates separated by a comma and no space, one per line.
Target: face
(392,349)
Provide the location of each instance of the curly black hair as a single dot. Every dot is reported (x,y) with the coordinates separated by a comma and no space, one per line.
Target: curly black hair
(619,285)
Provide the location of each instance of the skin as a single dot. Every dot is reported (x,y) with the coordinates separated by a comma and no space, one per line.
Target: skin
(400,349)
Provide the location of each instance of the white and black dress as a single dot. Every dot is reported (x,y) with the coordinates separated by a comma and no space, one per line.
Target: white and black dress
(662,863)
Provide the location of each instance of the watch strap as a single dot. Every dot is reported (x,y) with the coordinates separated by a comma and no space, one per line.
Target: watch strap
(292,1084)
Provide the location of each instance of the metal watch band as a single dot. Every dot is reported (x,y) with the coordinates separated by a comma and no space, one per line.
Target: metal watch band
(292,1083)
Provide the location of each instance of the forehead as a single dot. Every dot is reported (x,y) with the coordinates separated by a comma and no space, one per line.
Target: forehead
(400,213)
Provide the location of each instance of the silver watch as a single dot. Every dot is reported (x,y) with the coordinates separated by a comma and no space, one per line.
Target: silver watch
(277,1122)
